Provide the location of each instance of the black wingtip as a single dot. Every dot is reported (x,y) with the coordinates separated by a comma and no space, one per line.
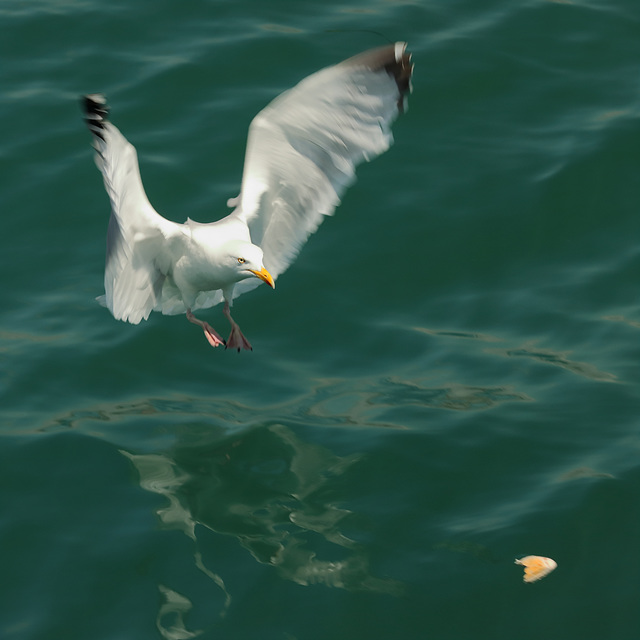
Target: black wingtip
(401,68)
(395,60)
(96,112)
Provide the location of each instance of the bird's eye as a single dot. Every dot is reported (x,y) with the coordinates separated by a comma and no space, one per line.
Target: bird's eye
(241,260)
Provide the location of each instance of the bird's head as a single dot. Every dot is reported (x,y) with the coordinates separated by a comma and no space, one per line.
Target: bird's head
(246,259)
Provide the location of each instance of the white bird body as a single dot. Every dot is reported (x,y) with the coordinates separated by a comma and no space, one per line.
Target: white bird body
(302,151)
(201,263)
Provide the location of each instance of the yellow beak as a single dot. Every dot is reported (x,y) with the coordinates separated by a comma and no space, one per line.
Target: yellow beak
(265,276)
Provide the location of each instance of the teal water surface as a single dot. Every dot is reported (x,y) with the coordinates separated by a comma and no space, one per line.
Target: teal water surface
(445,380)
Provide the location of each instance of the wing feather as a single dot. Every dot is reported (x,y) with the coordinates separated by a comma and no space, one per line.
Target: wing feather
(304,147)
(134,269)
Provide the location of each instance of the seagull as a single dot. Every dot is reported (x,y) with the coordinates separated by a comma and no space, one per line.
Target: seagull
(301,155)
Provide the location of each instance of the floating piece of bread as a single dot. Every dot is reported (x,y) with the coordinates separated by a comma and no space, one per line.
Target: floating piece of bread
(536,567)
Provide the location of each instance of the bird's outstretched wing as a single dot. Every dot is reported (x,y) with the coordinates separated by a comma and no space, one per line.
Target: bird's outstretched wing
(133,277)
(303,148)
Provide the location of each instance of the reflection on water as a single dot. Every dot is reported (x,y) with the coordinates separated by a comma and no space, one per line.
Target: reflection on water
(559,359)
(529,350)
(174,608)
(268,489)
(363,402)
(159,474)
(584,472)
(14,339)
(450,333)
(624,320)
(457,397)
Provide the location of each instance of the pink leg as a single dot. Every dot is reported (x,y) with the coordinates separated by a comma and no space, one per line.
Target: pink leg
(236,339)
(209,333)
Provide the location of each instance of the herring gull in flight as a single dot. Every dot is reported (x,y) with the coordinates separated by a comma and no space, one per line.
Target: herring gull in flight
(301,155)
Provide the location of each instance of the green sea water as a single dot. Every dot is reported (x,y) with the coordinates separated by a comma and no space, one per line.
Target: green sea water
(447,378)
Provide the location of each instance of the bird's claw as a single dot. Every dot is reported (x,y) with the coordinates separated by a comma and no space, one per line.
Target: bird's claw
(236,340)
(212,337)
